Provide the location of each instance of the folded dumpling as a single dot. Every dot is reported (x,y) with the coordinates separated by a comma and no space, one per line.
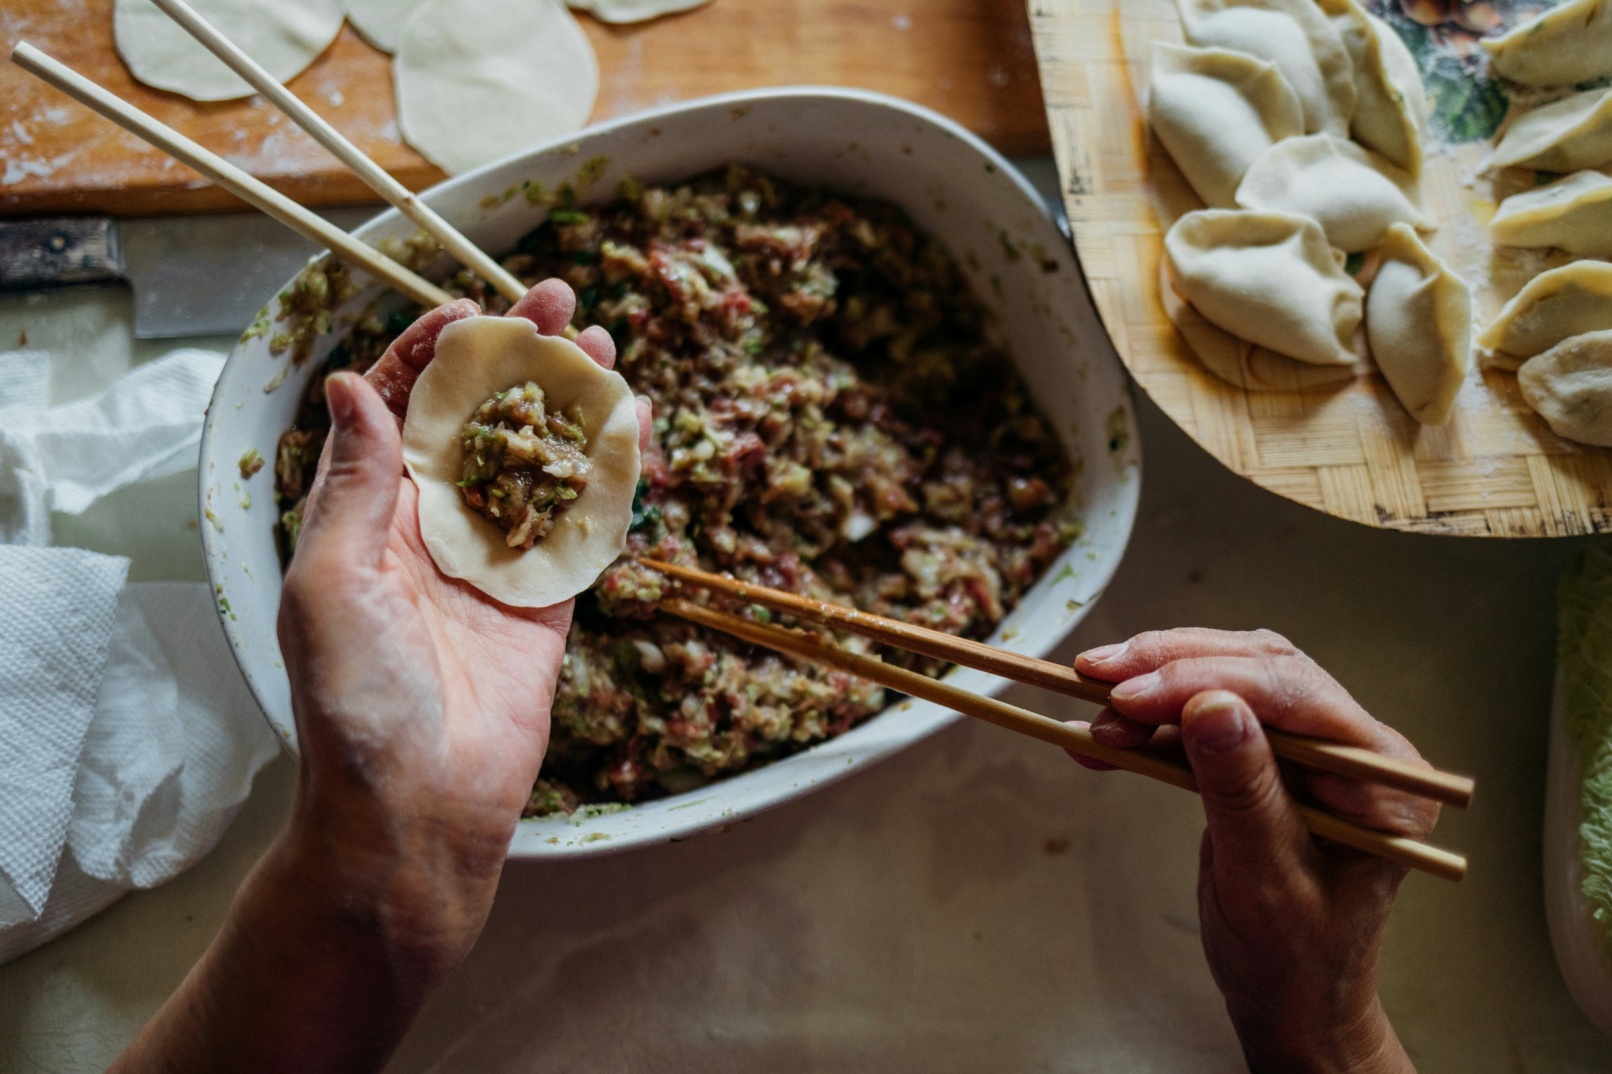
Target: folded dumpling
(1563,302)
(1390,104)
(1563,136)
(1270,278)
(1292,34)
(1569,44)
(1351,192)
(1570,386)
(1217,111)
(1419,325)
(1572,214)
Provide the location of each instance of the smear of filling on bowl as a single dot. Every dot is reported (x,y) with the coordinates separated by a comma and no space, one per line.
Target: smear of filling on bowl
(830,418)
(524,463)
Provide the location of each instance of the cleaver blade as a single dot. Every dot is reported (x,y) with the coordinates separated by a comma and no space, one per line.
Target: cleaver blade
(191,275)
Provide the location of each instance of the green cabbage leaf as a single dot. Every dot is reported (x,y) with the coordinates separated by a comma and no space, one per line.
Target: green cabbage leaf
(1584,651)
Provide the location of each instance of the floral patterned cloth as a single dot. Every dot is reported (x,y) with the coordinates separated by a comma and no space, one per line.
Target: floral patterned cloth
(1468,102)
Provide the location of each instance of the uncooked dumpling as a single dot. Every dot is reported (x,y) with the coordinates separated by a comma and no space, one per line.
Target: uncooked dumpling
(1419,325)
(283,36)
(1352,193)
(1563,302)
(1572,214)
(1217,111)
(476,358)
(480,79)
(1570,386)
(1568,44)
(381,22)
(1390,104)
(1270,278)
(1243,364)
(620,11)
(1294,35)
(1563,136)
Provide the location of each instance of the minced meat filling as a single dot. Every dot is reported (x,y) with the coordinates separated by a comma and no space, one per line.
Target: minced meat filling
(524,464)
(830,418)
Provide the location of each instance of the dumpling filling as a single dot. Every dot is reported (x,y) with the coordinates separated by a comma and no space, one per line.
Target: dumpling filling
(524,463)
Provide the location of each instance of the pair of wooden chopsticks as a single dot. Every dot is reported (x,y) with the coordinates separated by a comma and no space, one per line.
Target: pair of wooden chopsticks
(261,195)
(1317,754)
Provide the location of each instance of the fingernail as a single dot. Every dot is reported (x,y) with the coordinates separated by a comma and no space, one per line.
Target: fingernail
(1220,724)
(339,398)
(1102,654)
(1138,688)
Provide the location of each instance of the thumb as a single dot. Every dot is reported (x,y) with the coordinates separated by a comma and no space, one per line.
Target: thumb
(1253,822)
(351,505)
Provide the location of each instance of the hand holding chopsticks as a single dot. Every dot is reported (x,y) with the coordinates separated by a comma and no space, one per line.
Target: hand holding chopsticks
(1168,767)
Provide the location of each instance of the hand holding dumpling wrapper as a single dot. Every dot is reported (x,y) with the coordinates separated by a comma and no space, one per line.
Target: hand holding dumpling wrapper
(475,359)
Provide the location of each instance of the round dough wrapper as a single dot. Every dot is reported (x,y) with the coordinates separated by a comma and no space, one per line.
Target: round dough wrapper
(480,79)
(477,358)
(284,36)
(622,11)
(381,22)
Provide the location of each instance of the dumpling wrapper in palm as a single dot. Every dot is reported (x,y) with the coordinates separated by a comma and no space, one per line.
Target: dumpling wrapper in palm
(477,358)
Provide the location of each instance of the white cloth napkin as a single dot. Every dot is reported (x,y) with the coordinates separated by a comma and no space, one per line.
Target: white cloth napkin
(127,737)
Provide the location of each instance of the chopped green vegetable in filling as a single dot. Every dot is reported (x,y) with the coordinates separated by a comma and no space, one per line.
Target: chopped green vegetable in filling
(830,417)
(524,463)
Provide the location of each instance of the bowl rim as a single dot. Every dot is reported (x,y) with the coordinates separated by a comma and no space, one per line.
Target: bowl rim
(213,540)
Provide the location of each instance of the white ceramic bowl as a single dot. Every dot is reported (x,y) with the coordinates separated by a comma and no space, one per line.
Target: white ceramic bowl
(954,186)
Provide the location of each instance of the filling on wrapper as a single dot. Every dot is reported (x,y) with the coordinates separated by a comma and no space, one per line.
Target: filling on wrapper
(524,463)
(831,418)
(525,554)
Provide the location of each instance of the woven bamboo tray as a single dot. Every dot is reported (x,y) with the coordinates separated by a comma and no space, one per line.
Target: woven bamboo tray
(1348,448)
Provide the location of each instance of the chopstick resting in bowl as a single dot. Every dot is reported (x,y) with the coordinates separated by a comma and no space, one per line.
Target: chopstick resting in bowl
(244,186)
(374,176)
(1170,768)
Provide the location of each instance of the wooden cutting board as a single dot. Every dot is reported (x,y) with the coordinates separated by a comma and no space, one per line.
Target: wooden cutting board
(970,59)
(1495,469)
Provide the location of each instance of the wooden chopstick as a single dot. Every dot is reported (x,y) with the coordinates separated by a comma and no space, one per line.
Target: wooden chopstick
(1319,754)
(249,189)
(1168,768)
(373,175)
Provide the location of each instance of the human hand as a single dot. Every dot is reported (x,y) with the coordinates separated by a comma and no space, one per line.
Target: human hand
(422,705)
(1292,927)
(422,711)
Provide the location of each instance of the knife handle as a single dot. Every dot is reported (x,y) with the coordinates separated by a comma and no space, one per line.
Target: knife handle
(61,250)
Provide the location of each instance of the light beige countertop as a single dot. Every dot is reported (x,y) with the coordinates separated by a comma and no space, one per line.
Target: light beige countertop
(977,903)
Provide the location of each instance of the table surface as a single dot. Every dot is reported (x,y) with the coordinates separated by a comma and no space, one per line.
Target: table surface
(976,902)
(970,59)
